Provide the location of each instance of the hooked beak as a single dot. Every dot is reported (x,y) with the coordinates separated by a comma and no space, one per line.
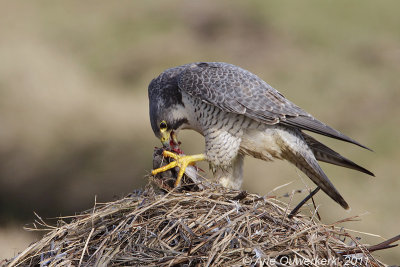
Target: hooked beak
(165,137)
(168,138)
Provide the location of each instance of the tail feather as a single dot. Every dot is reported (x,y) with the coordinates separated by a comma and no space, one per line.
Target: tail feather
(325,154)
(303,158)
(317,175)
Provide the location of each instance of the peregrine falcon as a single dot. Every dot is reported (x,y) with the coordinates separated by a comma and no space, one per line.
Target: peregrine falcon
(239,114)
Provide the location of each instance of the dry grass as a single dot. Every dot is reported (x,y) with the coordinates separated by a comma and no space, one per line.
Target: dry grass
(215,226)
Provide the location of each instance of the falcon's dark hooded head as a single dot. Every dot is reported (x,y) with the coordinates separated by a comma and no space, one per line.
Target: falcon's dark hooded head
(166,107)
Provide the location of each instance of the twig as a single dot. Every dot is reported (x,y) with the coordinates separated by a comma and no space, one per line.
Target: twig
(296,209)
(383,245)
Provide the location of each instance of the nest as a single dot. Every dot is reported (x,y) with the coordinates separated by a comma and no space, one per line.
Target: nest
(205,226)
(215,226)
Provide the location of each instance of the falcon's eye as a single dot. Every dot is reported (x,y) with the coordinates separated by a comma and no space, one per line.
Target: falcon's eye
(163,125)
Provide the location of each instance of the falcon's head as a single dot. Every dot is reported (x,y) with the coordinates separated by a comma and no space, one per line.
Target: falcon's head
(167,111)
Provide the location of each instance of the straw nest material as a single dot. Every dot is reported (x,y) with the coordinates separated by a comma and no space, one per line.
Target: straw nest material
(205,226)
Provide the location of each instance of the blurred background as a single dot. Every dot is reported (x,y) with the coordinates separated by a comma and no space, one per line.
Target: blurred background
(74,111)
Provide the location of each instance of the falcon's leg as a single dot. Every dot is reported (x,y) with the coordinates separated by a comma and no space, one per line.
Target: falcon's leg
(180,161)
(230,176)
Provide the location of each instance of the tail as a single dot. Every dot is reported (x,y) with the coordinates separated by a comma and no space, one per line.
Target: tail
(325,154)
(302,157)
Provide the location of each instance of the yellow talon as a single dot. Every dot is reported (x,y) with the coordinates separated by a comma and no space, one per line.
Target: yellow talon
(181,161)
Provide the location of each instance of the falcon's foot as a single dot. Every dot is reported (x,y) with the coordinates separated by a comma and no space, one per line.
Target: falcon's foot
(180,161)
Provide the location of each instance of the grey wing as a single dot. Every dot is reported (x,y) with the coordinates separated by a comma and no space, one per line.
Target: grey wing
(236,90)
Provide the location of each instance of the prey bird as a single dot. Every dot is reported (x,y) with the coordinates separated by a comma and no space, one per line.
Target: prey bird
(239,114)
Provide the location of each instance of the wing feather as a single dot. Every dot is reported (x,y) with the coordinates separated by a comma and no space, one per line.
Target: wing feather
(236,90)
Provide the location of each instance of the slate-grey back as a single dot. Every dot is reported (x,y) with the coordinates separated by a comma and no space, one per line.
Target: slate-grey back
(237,90)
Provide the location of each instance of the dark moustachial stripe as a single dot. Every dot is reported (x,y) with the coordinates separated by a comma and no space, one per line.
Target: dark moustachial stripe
(178,123)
